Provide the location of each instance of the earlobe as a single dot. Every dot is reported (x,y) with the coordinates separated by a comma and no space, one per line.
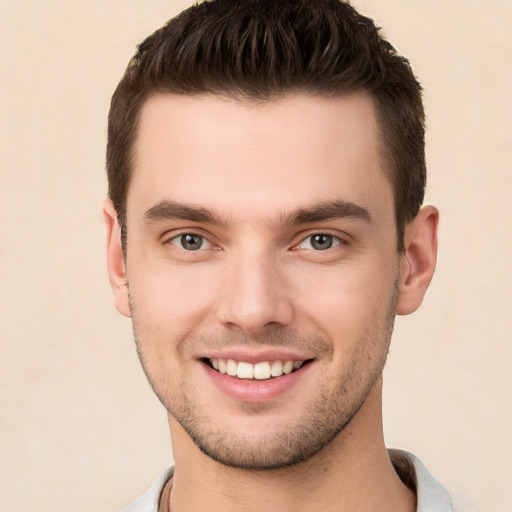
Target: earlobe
(116,263)
(419,260)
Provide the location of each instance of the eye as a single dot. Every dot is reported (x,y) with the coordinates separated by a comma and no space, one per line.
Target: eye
(319,242)
(190,242)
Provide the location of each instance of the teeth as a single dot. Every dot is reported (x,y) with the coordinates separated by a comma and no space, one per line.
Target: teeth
(259,371)
(276,370)
(287,367)
(231,367)
(262,371)
(245,370)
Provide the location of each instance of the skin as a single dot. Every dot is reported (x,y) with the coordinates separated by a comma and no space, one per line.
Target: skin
(254,182)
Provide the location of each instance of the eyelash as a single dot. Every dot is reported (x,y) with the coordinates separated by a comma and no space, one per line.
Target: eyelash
(335,241)
(181,236)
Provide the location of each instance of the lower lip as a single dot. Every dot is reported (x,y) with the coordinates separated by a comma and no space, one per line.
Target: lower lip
(255,390)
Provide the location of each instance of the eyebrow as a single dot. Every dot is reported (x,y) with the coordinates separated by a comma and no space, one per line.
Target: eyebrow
(170,210)
(328,210)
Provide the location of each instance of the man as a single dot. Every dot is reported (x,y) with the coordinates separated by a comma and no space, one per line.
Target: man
(266,174)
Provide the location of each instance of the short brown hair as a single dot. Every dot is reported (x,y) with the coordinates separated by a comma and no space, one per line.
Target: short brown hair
(261,50)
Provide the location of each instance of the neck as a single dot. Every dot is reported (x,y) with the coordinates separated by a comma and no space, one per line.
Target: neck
(353,472)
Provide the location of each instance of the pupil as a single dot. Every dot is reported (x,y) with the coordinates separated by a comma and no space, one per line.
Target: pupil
(191,242)
(321,242)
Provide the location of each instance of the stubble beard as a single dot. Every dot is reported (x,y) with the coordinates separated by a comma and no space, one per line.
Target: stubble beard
(326,415)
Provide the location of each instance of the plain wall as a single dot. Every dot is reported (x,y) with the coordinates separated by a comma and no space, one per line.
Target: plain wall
(79,426)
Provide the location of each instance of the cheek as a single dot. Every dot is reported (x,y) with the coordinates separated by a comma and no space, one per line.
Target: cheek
(172,299)
(345,302)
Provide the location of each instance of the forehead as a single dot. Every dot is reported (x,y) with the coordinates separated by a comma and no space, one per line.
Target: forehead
(219,152)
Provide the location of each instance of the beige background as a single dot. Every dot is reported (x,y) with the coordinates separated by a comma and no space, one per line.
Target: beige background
(79,427)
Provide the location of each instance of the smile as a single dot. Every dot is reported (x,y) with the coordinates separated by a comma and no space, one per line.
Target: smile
(259,371)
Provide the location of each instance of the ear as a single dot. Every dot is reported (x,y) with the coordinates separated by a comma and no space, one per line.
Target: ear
(419,260)
(116,263)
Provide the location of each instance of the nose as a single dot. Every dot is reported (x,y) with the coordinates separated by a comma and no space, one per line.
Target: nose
(255,296)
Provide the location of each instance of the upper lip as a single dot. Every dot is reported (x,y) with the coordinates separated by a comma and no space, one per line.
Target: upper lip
(253,356)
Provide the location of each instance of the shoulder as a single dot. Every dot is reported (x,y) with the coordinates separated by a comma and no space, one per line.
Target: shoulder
(432,496)
(149,501)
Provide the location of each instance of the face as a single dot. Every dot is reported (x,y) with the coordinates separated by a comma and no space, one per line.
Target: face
(261,267)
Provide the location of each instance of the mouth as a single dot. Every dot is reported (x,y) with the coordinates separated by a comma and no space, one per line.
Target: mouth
(263,370)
